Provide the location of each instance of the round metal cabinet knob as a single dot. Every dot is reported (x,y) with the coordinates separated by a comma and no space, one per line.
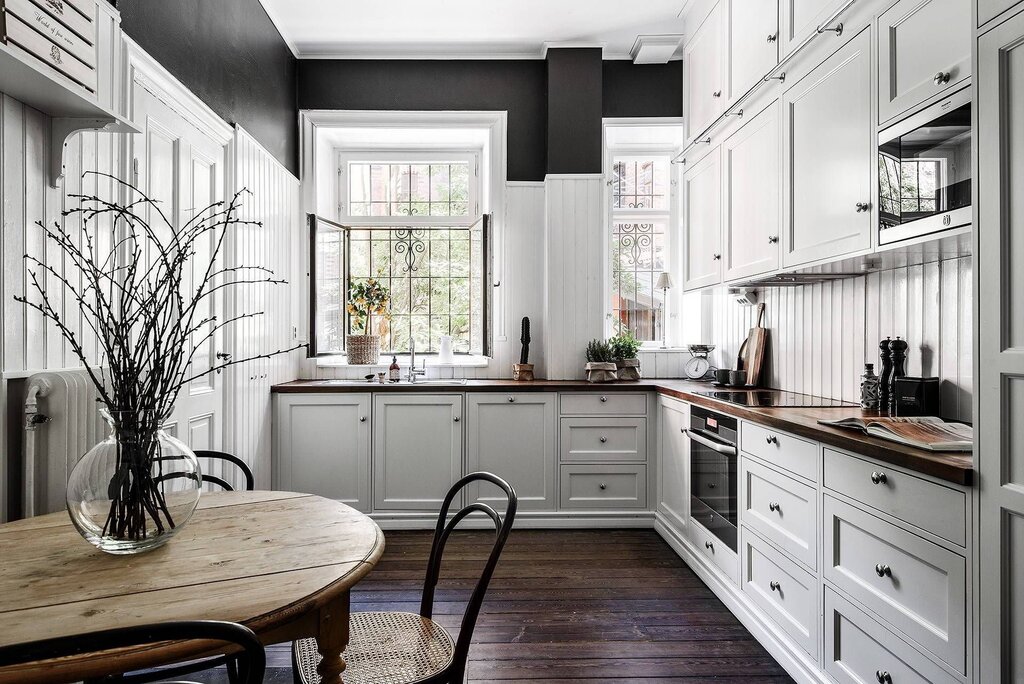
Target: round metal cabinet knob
(603,486)
(862,207)
(362,419)
(708,545)
(883,677)
(604,399)
(716,257)
(773,506)
(774,586)
(773,239)
(941,78)
(717,93)
(511,400)
(603,440)
(456,419)
(772,37)
(771,439)
(879,478)
(883,570)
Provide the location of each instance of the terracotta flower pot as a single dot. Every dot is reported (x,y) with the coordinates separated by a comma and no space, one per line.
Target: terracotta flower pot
(628,369)
(363,350)
(599,371)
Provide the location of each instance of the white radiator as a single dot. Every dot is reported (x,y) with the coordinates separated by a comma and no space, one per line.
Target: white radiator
(62,422)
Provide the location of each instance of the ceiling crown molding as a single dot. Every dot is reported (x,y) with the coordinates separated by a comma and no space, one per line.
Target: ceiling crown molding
(655,49)
(554,45)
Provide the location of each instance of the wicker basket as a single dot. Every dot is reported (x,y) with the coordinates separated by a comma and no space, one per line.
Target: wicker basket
(363,350)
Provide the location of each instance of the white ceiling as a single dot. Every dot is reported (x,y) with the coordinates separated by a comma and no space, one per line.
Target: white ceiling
(453,29)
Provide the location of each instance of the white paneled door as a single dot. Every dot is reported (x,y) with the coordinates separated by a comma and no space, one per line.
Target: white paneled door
(999,450)
(182,167)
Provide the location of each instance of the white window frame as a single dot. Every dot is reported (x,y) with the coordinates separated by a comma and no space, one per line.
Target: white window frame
(673,244)
(413,156)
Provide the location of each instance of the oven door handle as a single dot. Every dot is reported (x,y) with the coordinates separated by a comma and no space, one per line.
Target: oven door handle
(714,446)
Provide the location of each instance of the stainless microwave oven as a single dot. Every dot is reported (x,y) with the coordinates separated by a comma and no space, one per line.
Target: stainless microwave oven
(924,171)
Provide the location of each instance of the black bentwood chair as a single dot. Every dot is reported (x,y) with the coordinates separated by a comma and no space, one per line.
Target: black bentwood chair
(405,648)
(250,481)
(247,649)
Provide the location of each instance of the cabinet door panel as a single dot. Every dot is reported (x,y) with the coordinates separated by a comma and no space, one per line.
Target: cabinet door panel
(417,450)
(990,9)
(916,41)
(323,446)
(513,436)
(753,42)
(674,463)
(702,187)
(702,74)
(801,17)
(827,140)
(750,161)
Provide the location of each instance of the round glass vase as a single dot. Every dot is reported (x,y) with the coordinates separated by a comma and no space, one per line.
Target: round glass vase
(136,489)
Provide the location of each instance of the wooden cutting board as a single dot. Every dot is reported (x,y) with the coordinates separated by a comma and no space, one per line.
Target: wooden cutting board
(756,344)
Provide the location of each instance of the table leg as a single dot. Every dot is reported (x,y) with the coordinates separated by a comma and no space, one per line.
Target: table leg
(332,638)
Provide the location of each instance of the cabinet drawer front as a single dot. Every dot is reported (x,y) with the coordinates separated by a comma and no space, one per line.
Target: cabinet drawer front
(604,486)
(784,590)
(604,439)
(917,586)
(933,507)
(611,404)
(715,551)
(780,508)
(56,56)
(786,451)
(857,649)
(917,40)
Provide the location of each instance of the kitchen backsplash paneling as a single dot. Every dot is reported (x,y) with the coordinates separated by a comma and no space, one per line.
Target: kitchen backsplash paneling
(822,334)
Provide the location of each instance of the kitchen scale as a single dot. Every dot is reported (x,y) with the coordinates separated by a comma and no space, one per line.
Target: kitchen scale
(698,365)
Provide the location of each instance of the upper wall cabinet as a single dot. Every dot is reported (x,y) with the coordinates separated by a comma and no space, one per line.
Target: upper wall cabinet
(751,196)
(924,48)
(990,9)
(798,18)
(702,191)
(703,74)
(828,157)
(753,42)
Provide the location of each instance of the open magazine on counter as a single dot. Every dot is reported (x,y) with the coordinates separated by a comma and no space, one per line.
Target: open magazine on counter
(925,432)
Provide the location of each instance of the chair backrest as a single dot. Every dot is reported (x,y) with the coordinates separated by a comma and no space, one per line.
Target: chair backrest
(444,528)
(250,481)
(252,658)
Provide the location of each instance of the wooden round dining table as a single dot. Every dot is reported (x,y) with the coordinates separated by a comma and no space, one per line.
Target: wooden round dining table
(280,563)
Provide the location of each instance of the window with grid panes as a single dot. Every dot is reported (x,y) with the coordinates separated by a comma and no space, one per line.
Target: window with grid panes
(412,222)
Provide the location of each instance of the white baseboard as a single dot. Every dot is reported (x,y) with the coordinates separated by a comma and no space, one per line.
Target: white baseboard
(526,520)
(795,661)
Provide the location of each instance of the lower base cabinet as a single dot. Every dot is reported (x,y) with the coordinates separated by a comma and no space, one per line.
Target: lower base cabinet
(417,450)
(513,436)
(858,650)
(603,486)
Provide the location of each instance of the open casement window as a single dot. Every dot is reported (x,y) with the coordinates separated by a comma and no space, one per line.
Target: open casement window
(439,277)
(641,223)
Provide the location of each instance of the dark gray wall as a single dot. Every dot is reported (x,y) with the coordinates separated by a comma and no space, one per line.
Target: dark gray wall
(574,110)
(231,55)
(516,86)
(639,90)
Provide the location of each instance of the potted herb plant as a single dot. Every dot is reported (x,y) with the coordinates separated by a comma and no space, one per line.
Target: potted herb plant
(523,370)
(600,362)
(366,299)
(624,348)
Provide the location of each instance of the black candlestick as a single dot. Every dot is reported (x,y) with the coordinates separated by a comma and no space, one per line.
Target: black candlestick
(883,374)
(898,353)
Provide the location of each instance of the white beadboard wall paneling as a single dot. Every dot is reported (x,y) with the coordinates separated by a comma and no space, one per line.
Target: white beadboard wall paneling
(822,334)
(273,201)
(523,282)
(574,255)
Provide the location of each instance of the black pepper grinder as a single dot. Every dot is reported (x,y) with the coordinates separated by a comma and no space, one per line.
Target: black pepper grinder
(883,374)
(898,355)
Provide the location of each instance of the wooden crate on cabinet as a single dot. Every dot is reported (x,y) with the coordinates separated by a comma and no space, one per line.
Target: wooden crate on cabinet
(828,158)
(514,437)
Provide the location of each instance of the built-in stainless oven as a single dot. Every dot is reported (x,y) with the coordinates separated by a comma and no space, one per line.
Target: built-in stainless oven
(924,171)
(713,473)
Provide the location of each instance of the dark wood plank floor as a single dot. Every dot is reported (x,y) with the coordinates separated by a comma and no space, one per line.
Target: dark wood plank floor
(570,606)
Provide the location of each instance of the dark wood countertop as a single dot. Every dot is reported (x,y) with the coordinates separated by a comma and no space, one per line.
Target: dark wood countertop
(954,467)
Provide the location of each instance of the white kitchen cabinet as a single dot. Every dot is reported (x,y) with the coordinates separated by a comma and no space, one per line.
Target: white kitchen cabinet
(702,190)
(828,157)
(751,196)
(322,446)
(999,431)
(674,463)
(924,49)
(417,450)
(753,42)
(513,436)
(990,9)
(704,88)
(799,18)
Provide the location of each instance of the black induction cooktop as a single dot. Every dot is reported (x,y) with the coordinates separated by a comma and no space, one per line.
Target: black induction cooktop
(774,398)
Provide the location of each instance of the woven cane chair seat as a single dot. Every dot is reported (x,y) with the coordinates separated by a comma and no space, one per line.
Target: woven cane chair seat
(384,648)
